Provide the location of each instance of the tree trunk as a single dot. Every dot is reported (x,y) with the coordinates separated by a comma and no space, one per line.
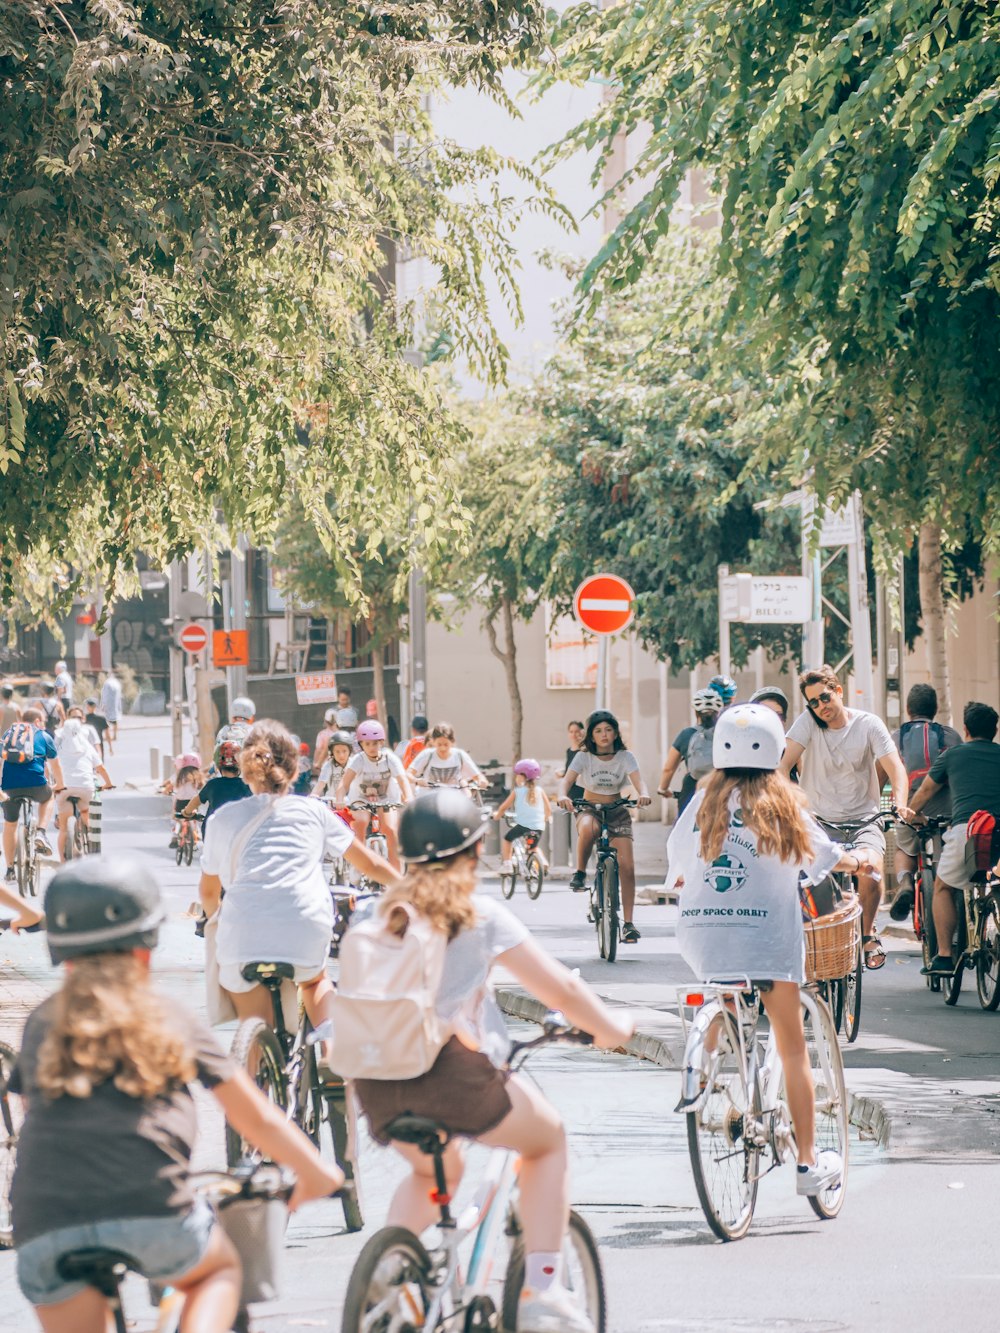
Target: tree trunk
(508,656)
(932,613)
(378,681)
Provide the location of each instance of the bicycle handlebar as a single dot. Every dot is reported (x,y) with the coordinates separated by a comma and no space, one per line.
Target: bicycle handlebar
(554,1029)
(375,805)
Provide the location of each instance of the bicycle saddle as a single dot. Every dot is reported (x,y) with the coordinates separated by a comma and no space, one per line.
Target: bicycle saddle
(268,974)
(98,1268)
(427,1135)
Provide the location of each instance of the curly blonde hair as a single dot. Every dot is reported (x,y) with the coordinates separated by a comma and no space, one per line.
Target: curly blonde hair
(441,891)
(269,760)
(109,1024)
(770,806)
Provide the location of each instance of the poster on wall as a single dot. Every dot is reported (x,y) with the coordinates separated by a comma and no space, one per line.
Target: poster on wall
(570,654)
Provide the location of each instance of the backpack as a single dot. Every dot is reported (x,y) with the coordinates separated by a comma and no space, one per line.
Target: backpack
(982,848)
(919,748)
(18,743)
(699,752)
(51,710)
(384,1010)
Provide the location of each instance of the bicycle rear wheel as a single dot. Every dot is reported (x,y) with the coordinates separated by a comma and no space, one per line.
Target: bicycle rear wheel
(582,1276)
(851,999)
(11,1117)
(928,935)
(607,902)
(988,956)
(535,876)
(832,1127)
(71,826)
(338,1117)
(952,986)
(21,866)
(724,1162)
(258,1052)
(81,839)
(389,1286)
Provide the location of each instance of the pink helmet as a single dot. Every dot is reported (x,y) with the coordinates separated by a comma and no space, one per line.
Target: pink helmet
(189,759)
(528,768)
(371,731)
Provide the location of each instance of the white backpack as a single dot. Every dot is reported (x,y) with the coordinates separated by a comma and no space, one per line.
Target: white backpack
(385,1019)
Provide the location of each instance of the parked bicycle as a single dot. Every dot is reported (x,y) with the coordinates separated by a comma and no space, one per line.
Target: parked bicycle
(187,838)
(929,834)
(739,1125)
(605,891)
(525,861)
(375,839)
(284,1066)
(398,1284)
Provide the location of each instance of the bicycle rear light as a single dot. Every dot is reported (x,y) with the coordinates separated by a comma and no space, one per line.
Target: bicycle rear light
(694,999)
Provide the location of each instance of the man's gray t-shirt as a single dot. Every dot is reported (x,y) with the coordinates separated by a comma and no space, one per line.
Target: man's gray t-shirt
(837,770)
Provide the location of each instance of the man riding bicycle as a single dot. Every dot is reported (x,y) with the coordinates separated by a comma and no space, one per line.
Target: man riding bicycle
(837,751)
(29,755)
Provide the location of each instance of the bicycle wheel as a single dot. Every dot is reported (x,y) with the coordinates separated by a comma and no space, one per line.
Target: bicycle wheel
(81,839)
(337,1113)
(832,1128)
(189,848)
(179,850)
(988,956)
(379,846)
(11,1116)
(21,867)
(389,1287)
(71,827)
(508,882)
(833,994)
(583,1275)
(258,1052)
(952,986)
(534,875)
(851,1001)
(928,935)
(33,866)
(607,921)
(724,1162)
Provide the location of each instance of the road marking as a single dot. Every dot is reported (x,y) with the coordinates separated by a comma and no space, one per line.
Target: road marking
(604,604)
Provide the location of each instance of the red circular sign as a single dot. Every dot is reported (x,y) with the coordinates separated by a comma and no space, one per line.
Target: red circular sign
(604,604)
(193,637)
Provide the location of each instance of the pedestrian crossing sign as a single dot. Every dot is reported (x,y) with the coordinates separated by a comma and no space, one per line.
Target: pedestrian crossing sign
(230,648)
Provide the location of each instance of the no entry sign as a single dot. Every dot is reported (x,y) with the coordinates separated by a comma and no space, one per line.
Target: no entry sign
(193,638)
(604,604)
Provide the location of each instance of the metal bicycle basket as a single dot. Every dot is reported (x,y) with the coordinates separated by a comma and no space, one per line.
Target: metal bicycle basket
(256,1226)
(832,942)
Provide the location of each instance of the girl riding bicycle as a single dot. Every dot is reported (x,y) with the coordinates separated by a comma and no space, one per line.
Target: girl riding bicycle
(376,776)
(338,755)
(532,810)
(465,1090)
(104,1153)
(442,763)
(739,850)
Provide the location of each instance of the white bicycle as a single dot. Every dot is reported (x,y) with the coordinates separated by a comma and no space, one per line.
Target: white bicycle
(733,1093)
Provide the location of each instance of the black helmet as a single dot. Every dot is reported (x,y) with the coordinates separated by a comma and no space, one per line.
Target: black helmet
(340,738)
(102,904)
(439,825)
(771,692)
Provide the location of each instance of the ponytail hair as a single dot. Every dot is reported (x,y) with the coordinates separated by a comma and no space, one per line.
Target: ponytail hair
(269,760)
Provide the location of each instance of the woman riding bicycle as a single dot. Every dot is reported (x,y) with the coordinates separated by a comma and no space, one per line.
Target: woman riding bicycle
(104,1153)
(605,768)
(267,852)
(375,776)
(738,850)
(465,1090)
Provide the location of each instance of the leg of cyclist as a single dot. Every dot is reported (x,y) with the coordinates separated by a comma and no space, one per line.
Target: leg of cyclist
(316,998)
(587,830)
(626,873)
(359,819)
(784,1012)
(44,811)
(62,824)
(945,921)
(87,1312)
(534,1129)
(254,1003)
(10,813)
(390,825)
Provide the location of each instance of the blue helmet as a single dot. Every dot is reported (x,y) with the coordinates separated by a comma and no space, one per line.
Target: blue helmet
(725,687)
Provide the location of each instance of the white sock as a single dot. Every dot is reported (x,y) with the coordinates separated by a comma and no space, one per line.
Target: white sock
(541,1270)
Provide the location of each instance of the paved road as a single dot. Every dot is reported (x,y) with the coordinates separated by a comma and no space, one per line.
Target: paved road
(920,1212)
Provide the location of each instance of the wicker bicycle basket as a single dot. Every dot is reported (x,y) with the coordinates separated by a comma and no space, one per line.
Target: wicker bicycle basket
(832,942)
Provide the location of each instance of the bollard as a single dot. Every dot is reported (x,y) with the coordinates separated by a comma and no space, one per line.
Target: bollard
(559,836)
(168,768)
(154,762)
(94,836)
(491,842)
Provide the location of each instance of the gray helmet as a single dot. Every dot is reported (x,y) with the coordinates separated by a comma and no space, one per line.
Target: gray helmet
(439,825)
(340,738)
(102,904)
(242,708)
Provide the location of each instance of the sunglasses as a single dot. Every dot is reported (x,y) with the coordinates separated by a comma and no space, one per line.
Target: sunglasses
(823,698)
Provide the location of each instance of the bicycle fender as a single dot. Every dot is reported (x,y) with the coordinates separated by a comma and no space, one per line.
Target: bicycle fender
(696,1076)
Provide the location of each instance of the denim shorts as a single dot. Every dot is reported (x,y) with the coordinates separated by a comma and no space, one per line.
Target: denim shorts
(160,1247)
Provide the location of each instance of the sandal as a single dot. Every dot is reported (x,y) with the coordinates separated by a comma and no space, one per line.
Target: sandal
(875,956)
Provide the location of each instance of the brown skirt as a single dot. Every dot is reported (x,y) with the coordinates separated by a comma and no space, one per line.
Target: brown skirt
(463,1091)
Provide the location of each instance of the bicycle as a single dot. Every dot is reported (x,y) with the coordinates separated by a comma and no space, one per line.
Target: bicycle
(398,1284)
(11,1119)
(375,839)
(735,1101)
(27,863)
(339,874)
(605,891)
(526,861)
(923,889)
(284,1066)
(977,942)
(187,837)
(78,830)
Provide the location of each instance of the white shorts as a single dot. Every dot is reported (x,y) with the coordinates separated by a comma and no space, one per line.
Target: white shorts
(231,976)
(951,867)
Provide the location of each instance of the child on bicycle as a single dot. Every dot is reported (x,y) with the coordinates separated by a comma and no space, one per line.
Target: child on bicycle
(187,783)
(339,752)
(104,1153)
(466,1090)
(605,768)
(442,763)
(375,775)
(739,850)
(532,810)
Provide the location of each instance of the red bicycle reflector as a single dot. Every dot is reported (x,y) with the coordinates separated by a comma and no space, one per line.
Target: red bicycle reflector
(694,999)
(437,1197)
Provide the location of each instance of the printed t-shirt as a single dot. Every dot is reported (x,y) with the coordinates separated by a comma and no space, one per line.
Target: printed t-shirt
(464,998)
(109,1155)
(740,915)
(32,773)
(458,767)
(221,791)
(277,905)
(971,772)
(837,770)
(528,814)
(329,778)
(375,779)
(604,777)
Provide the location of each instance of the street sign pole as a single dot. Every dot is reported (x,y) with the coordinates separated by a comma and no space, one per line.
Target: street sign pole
(601,692)
(176,662)
(604,605)
(725,649)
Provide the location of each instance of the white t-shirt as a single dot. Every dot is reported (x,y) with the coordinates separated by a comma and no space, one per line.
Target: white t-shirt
(329,779)
(837,770)
(277,906)
(375,780)
(64,688)
(604,777)
(740,916)
(77,755)
(465,999)
(430,767)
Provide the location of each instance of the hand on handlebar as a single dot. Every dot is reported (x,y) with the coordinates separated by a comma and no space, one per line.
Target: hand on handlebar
(318,1180)
(565,803)
(616,1031)
(644,800)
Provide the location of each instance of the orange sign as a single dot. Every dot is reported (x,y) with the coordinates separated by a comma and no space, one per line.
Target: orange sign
(230,647)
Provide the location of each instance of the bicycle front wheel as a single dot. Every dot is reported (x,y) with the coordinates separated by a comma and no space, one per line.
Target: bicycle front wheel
(189,848)
(582,1275)
(988,956)
(21,866)
(952,986)
(607,902)
(831,1118)
(508,882)
(389,1287)
(257,1051)
(11,1117)
(535,875)
(851,993)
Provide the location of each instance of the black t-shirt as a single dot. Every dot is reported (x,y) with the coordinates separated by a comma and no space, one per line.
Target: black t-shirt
(100,724)
(971,772)
(109,1155)
(575,792)
(220,791)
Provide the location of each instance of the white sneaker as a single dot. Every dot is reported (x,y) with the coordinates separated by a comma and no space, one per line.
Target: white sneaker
(552,1311)
(506,867)
(824,1175)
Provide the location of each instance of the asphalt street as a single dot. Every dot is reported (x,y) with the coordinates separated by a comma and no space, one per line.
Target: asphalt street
(917,1222)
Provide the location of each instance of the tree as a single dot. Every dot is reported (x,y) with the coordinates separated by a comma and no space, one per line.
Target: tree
(194,319)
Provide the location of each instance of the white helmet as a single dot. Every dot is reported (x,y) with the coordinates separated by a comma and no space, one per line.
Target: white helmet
(707,701)
(330,716)
(242,708)
(748,736)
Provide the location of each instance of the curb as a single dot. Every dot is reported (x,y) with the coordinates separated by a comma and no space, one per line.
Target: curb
(868,1115)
